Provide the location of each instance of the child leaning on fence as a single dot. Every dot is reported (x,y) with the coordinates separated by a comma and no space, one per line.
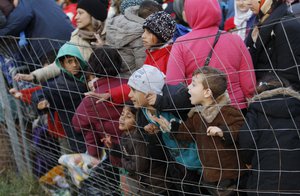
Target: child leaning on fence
(65,92)
(214,125)
(269,140)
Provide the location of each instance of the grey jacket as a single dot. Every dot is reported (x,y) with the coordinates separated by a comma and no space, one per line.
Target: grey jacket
(124,33)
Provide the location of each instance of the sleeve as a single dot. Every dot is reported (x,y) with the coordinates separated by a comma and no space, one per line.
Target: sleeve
(184,131)
(81,119)
(47,72)
(18,20)
(246,72)
(120,94)
(248,136)
(175,67)
(27,93)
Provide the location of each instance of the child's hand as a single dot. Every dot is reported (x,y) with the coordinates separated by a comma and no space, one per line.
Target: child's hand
(163,123)
(100,97)
(107,141)
(25,77)
(151,98)
(214,131)
(91,84)
(43,104)
(15,93)
(151,128)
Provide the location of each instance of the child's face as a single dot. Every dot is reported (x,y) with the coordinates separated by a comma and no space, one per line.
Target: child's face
(138,98)
(242,5)
(72,65)
(149,39)
(127,120)
(197,91)
(83,20)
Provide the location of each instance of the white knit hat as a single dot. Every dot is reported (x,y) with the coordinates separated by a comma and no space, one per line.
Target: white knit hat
(147,79)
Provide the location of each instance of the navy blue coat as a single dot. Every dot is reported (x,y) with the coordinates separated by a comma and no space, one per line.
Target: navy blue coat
(38,19)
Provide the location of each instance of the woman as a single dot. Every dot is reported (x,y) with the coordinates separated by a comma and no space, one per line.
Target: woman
(90,18)
(274,43)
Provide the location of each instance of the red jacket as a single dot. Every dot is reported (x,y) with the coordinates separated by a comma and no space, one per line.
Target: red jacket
(97,120)
(157,58)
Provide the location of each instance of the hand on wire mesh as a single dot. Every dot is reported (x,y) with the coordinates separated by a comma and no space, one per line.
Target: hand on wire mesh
(151,98)
(15,93)
(214,131)
(107,141)
(25,77)
(91,84)
(164,124)
(99,96)
(151,128)
(43,104)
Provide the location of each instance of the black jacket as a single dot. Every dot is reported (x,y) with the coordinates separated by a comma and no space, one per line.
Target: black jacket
(270,141)
(278,45)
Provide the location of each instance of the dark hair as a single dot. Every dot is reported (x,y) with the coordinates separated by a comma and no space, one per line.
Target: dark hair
(104,61)
(271,81)
(214,79)
(130,105)
(148,7)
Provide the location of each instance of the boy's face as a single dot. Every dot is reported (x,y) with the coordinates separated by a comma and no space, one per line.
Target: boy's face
(197,91)
(72,65)
(138,98)
(149,39)
(126,120)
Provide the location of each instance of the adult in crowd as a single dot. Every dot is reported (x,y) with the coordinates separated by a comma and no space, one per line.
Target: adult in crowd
(274,43)
(38,19)
(90,18)
(230,54)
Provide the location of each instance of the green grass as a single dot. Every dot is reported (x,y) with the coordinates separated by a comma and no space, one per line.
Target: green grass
(13,184)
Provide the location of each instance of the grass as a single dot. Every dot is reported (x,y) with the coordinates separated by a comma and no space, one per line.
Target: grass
(13,184)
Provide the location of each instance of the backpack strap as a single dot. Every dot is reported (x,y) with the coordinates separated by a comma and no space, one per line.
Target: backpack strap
(208,58)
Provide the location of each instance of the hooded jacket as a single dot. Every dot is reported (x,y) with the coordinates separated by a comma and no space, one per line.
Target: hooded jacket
(64,93)
(230,53)
(124,32)
(269,141)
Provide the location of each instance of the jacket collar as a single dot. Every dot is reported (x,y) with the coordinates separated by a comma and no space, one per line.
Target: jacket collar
(278,91)
(209,113)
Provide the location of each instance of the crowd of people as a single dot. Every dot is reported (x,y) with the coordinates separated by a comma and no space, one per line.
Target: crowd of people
(191,97)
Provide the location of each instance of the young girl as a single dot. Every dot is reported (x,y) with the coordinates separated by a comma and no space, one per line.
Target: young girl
(141,178)
(269,139)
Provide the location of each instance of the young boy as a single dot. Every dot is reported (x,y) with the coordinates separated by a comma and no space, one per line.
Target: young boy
(214,125)
(65,92)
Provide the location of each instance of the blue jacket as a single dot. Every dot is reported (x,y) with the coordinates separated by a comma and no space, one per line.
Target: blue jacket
(38,19)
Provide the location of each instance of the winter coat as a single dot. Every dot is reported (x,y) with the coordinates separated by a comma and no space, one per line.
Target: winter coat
(124,32)
(230,53)
(97,120)
(38,19)
(64,93)
(278,46)
(219,156)
(270,142)
(52,70)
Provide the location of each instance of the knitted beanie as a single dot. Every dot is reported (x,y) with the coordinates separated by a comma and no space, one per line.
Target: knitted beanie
(161,25)
(96,8)
(129,3)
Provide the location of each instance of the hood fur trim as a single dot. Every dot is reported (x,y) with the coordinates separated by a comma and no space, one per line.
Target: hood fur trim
(209,113)
(274,92)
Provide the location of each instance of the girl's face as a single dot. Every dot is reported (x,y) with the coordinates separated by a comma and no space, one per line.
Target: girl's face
(83,20)
(254,6)
(242,5)
(149,39)
(127,120)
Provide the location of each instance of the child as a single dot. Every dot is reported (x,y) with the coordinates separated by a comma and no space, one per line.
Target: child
(269,139)
(65,92)
(185,165)
(214,126)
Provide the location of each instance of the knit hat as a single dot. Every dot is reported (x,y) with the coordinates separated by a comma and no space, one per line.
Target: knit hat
(129,3)
(96,8)
(161,24)
(147,79)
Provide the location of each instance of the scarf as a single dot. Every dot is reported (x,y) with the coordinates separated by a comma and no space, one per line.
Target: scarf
(98,27)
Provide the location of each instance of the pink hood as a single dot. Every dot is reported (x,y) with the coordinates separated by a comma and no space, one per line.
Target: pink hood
(201,14)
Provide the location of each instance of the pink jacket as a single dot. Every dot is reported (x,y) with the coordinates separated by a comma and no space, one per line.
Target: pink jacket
(230,53)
